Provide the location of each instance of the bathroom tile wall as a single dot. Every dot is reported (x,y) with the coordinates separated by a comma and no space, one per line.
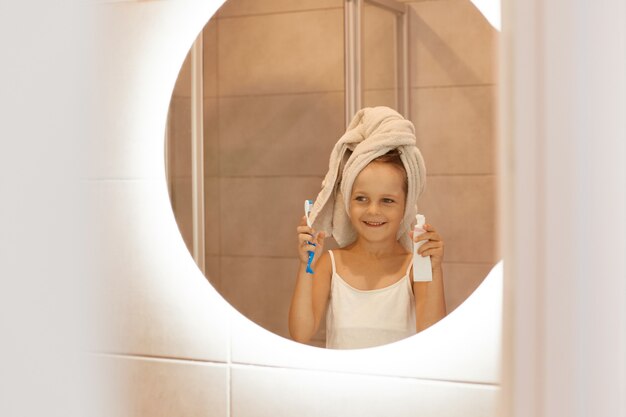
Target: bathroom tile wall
(312,393)
(158,387)
(147,294)
(161,362)
(168,340)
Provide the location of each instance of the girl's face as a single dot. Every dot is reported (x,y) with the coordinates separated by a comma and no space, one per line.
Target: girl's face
(377,201)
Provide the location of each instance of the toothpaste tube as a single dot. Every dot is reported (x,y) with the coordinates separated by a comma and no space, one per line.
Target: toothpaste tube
(422,267)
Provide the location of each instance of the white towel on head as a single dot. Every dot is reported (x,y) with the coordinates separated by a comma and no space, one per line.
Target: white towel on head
(373,132)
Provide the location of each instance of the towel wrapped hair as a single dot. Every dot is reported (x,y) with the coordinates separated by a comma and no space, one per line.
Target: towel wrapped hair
(373,132)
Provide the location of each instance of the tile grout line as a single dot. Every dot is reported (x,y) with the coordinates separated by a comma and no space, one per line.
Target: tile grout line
(166,359)
(252,177)
(320,92)
(279,94)
(243,365)
(279,12)
(312,176)
(444,86)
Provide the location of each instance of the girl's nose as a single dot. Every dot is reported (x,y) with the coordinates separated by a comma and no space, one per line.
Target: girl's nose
(373,208)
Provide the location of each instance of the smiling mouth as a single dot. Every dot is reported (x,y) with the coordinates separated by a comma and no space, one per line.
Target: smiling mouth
(374,224)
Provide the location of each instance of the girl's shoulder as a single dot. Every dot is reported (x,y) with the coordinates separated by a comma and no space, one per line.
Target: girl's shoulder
(335,251)
(323,267)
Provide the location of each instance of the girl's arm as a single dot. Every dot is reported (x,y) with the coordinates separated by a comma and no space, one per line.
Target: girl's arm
(310,296)
(430,304)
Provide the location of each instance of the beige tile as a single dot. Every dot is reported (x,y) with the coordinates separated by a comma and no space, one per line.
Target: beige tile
(259,216)
(461,279)
(260,288)
(182,88)
(455,128)
(451,44)
(379,55)
(209,58)
(243,7)
(282,53)
(154,299)
(463,210)
(212,263)
(212,212)
(179,138)
(181,204)
(211,138)
(179,141)
(160,388)
(373,98)
(182,207)
(279,135)
(311,393)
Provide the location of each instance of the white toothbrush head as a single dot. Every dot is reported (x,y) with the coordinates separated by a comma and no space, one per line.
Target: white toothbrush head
(308,206)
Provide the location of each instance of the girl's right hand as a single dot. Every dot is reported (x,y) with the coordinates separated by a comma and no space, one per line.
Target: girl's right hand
(306,236)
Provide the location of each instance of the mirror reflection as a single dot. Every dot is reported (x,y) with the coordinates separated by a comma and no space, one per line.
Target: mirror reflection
(269,81)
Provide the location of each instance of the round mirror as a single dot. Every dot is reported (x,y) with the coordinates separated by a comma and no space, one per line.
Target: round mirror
(264,95)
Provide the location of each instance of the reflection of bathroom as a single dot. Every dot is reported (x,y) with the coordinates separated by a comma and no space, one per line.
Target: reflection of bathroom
(273,102)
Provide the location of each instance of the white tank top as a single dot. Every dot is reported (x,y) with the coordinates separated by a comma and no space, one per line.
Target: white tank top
(364,318)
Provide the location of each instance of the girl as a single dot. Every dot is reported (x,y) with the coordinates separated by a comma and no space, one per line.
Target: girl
(368,283)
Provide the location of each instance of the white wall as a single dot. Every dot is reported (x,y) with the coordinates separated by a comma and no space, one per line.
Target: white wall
(41,117)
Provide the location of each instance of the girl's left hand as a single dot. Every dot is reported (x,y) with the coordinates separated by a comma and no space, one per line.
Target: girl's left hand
(433,246)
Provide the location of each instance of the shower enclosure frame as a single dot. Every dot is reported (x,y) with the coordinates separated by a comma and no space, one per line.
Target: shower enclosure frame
(353,17)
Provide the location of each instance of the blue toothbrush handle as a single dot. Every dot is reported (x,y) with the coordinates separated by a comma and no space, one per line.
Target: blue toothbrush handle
(308,264)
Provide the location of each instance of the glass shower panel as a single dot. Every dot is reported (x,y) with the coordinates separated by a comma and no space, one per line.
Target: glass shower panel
(379,52)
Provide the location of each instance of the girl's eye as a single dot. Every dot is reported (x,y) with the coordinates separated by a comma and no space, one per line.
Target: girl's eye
(360,198)
(387,200)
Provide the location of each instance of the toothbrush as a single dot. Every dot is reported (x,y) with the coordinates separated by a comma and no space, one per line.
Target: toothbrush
(422,267)
(308,205)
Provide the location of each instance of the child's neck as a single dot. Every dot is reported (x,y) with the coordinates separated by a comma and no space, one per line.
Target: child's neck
(377,250)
